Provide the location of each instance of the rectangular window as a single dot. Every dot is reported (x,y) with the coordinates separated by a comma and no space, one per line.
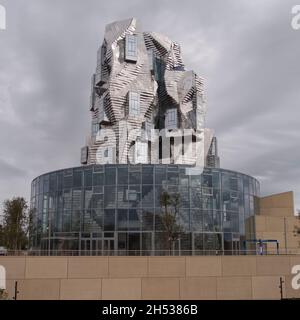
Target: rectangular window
(84,155)
(134,103)
(131,195)
(92,98)
(131,47)
(109,155)
(151,59)
(100,103)
(147,129)
(95,129)
(171,119)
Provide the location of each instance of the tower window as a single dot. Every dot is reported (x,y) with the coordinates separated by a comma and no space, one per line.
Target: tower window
(151,59)
(102,117)
(109,155)
(134,103)
(95,128)
(131,47)
(171,119)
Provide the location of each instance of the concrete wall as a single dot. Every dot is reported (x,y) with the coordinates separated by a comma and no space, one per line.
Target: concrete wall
(206,277)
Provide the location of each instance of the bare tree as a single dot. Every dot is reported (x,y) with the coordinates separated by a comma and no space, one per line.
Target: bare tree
(3,294)
(14,231)
(170,211)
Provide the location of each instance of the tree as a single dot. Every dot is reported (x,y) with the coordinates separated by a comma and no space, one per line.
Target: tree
(170,208)
(1,235)
(3,294)
(15,224)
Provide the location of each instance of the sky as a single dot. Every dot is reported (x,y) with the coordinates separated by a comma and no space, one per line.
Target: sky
(247,52)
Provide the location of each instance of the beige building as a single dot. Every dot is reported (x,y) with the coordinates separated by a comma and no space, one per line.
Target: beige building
(276,220)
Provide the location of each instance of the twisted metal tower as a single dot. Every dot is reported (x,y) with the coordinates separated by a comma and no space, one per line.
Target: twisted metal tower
(141,84)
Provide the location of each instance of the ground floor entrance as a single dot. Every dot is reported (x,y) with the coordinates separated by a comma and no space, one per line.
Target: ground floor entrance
(119,243)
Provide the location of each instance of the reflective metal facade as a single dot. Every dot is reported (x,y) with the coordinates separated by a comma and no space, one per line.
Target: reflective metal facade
(141,81)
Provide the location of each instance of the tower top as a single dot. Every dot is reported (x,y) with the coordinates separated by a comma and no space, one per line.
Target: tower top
(140,84)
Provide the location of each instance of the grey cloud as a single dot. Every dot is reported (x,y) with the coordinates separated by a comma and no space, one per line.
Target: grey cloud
(245,50)
(9,171)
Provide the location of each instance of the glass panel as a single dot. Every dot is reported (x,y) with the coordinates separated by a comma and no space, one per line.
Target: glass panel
(97,201)
(110,175)
(131,47)
(134,103)
(122,220)
(207,180)
(227,243)
(68,181)
(98,179)
(77,178)
(135,177)
(134,220)
(225,181)
(66,221)
(160,174)
(234,183)
(147,219)
(148,174)
(134,243)
(171,119)
(198,243)
(122,197)
(67,199)
(109,220)
(53,182)
(146,243)
(87,197)
(109,197)
(60,180)
(208,223)
(97,217)
(197,220)
(147,196)
(123,176)
(122,241)
(88,176)
(196,197)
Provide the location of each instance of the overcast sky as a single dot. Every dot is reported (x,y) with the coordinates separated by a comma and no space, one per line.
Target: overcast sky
(245,49)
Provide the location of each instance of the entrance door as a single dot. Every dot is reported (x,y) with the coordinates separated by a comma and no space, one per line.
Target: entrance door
(207,243)
(91,247)
(96,248)
(213,243)
(85,248)
(236,247)
(108,247)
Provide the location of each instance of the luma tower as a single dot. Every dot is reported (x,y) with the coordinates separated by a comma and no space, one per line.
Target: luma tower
(140,169)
